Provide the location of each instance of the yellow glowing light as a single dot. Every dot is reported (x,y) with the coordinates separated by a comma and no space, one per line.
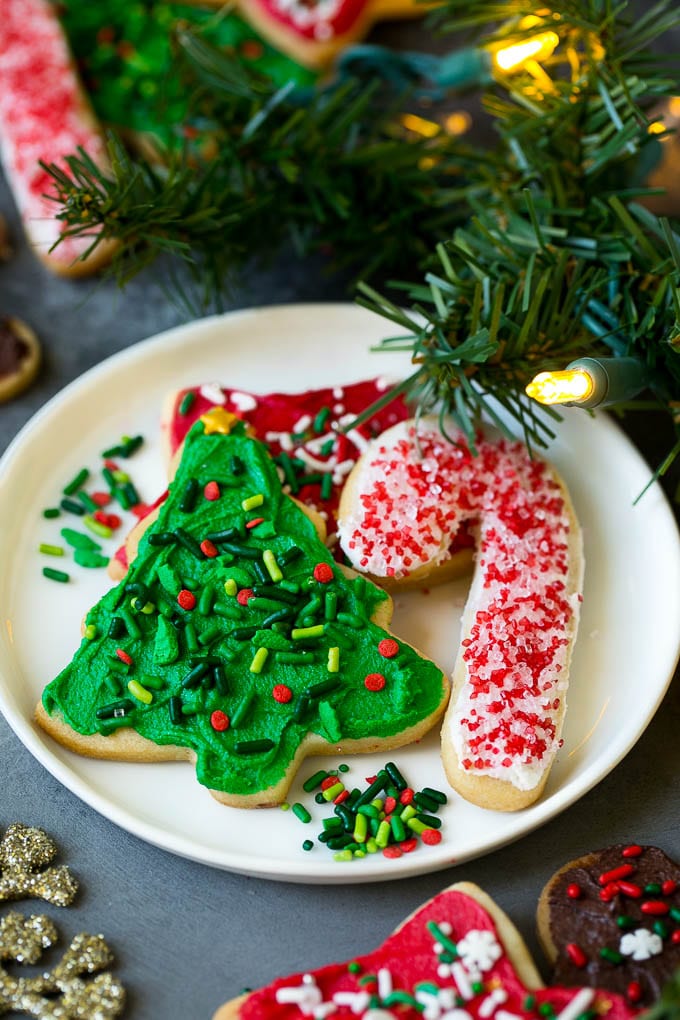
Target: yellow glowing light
(516,56)
(572,385)
(421,126)
(674,106)
(657,127)
(458,123)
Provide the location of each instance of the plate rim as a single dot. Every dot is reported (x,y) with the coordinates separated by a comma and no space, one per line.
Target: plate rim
(328,872)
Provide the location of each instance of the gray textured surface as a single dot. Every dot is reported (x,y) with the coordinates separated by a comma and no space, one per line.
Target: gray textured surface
(187,937)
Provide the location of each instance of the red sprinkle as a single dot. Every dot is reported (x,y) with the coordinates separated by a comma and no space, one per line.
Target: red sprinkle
(282,694)
(186,599)
(123,656)
(389,805)
(407,846)
(654,907)
(140,510)
(609,891)
(101,498)
(341,797)
(111,465)
(612,876)
(631,889)
(254,522)
(634,991)
(323,573)
(219,721)
(431,836)
(328,782)
(406,796)
(388,648)
(631,851)
(374,682)
(244,595)
(668,887)
(576,954)
(212,491)
(208,548)
(675,937)
(574,891)
(393,851)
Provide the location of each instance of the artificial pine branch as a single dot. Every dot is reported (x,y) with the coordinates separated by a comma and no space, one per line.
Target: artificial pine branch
(265,165)
(558,258)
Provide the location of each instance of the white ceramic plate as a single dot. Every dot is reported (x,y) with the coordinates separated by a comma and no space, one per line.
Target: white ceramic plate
(629,626)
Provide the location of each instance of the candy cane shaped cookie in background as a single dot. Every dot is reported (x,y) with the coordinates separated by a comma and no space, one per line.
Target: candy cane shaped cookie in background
(44,115)
(401,506)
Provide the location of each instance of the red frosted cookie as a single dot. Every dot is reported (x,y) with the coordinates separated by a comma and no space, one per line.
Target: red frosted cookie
(44,116)
(612,919)
(305,433)
(459,957)
(314,32)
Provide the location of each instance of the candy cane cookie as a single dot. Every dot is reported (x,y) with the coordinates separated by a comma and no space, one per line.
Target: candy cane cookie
(44,115)
(404,500)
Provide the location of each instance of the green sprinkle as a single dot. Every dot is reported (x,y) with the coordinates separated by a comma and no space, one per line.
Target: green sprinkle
(188,498)
(398,830)
(437,795)
(396,776)
(331,792)
(190,638)
(96,527)
(78,540)
(653,888)
(351,620)
(254,746)
(661,929)
(343,855)
(383,834)
(189,543)
(408,813)
(59,575)
(343,768)
(76,482)
(90,632)
(175,710)
(187,402)
(90,558)
(51,512)
(259,660)
(139,692)
(252,501)
(319,423)
(121,476)
(314,780)
(230,586)
(88,502)
(50,550)
(162,538)
(625,921)
(285,806)
(131,624)
(611,955)
(674,912)
(323,687)
(360,828)
(333,659)
(72,507)
(206,600)
(115,709)
(209,634)
(156,683)
(330,605)
(301,633)
(355,968)
(417,826)
(301,812)
(327,486)
(430,821)
(108,726)
(296,658)
(308,845)
(272,566)
(242,709)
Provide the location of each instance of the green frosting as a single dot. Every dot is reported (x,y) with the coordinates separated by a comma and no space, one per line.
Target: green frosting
(124,51)
(238,655)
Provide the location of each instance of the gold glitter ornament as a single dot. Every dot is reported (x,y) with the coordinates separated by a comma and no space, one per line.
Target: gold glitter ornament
(60,993)
(25,854)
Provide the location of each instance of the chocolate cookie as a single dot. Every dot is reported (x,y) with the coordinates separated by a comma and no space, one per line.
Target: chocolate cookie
(611,919)
(19,357)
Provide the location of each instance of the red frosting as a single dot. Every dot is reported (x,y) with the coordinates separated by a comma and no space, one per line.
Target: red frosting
(303,17)
(478,980)
(43,116)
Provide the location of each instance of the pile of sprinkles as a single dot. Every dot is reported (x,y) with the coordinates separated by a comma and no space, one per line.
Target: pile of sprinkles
(388,816)
(92,509)
(234,632)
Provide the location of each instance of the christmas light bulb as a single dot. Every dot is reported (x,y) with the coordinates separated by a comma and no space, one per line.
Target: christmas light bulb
(517,55)
(590,382)
(563,387)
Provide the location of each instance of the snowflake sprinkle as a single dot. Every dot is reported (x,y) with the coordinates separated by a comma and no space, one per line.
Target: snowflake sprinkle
(641,944)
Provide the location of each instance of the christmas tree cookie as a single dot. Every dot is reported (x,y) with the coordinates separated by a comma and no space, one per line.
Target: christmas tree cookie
(236,641)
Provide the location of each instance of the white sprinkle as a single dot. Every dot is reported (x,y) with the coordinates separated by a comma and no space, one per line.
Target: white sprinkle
(213,392)
(243,401)
(579,1004)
